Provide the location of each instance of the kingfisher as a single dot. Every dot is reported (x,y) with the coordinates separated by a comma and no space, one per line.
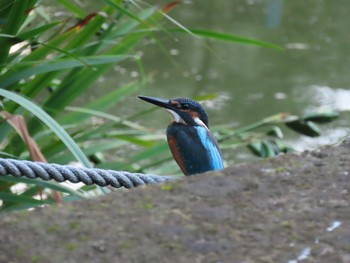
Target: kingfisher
(191,143)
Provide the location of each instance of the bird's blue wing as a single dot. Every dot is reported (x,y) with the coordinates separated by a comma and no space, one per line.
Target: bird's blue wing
(212,148)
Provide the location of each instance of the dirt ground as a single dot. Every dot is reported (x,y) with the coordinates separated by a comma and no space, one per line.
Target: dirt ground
(294,208)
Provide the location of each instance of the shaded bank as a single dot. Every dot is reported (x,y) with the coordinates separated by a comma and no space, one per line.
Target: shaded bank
(294,207)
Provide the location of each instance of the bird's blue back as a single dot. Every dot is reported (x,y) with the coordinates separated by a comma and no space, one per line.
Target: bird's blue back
(194,148)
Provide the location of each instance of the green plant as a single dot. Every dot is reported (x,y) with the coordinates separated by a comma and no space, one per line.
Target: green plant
(265,137)
(46,64)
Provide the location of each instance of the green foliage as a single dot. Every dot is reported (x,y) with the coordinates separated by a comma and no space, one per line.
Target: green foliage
(53,63)
(46,64)
(269,143)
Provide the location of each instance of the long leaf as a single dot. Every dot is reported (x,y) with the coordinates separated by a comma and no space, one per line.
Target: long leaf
(231,38)
(17,14)
(101,104)
(36,31)
(59,64)
(124,11)
(72,7)
(76,83)
(9,197)
(108,116)
(45,184)
(155,150)
(50,122)
(209,34)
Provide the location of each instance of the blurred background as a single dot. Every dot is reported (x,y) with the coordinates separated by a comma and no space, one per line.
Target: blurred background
(83,63)
(310,74)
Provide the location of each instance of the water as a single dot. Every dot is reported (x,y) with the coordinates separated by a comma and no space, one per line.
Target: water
(311,73)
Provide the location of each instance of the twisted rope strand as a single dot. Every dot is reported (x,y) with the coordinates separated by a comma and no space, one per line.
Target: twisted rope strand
(88,176)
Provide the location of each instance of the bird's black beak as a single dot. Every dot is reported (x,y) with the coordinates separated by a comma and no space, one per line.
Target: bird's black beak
(157,101)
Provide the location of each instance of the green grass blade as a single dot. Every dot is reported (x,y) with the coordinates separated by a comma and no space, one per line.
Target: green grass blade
(45,184)
(107,116)
(70,89)
(14,198)
(6,36)
(208,34)
(58,64)
(17,207)
(36,31)
(16,16)
(123,11)
(136,141)
(230,38)
(101,104)
(81,80)
(130,25)
(69,4)
(50,122)
(89,31)
(155,150)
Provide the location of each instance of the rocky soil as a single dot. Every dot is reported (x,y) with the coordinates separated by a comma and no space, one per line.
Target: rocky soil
(294,208)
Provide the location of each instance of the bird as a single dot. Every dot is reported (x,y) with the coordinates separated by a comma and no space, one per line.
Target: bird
(191,143)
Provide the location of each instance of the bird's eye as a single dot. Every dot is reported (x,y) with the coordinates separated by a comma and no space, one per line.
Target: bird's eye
(185,106)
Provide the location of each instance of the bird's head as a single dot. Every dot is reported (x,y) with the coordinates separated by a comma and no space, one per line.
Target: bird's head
(182,110)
